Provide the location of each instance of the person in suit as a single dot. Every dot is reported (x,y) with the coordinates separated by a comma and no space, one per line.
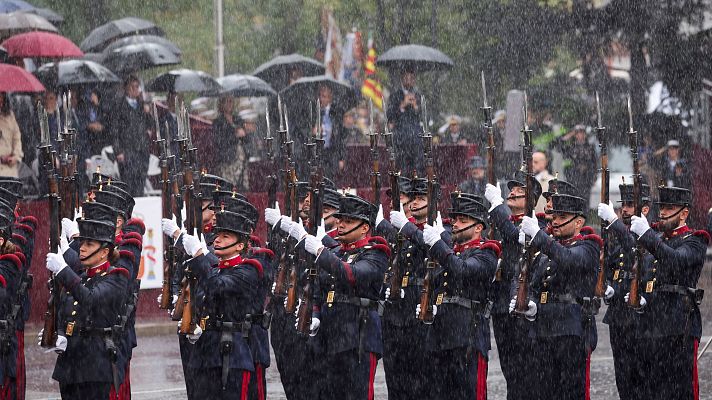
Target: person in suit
(404,120)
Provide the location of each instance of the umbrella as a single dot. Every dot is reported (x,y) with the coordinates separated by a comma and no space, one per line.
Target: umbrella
(139,39)
(102,36)
(245,86)
(275,70)
(136,57)
(184,80)
(18,22)
(414,56)
(7,6)
(75,72)
(46,13)
(41,44)
(16,79)
(306,89)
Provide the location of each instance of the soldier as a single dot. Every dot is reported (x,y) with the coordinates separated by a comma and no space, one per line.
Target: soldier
(90,302)
(347,319)
(622,320)
(563,276)
(459,340)
(221,338)
(670,325)
(510,334)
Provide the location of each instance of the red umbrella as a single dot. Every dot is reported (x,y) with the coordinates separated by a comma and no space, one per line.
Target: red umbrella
(16,79)
(41,44)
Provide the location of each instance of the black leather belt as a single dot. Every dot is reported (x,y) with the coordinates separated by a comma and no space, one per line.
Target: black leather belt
(357,301)
(621,274)
(695,294)
(94,331)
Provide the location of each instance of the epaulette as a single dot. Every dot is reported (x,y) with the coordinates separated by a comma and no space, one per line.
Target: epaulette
(262,251)
(21,256)
(256,240)
(494,246)
(118,270)
(25,228)
(379,240)
(127,254)
(19,238)
(540,215)
(703,234)
(13,259)
(255,264)
(587,230)
(132,242)
(138,224)
(595,238)
(134,235)
(381,247)
(28,219)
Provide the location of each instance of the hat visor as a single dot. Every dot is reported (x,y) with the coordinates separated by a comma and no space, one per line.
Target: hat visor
(104,240)
(673,203)
(572,212)
(453,214)
(513,183)
(354,216)
(229,229)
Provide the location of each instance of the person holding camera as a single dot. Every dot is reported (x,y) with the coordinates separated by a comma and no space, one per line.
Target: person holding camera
(404,117)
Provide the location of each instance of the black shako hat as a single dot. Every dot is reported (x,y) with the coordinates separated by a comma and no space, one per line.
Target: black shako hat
(7,211)
(520,179)
(8,198)
(11,184)
(217,181)
(232,222)
(674,196)
(6,223)
(303,190)
(238,206)
(98,211)
(418,186)
(565,203)
(404,185)
(329,184)
(99,230)
(113,200)
(557,186)
(331,198)
(205,191)
(219,195)
(352,206)
(469,205)
(129,201)
(627,193)
(99,179)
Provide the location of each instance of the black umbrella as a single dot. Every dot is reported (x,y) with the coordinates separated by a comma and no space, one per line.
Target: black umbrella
(245,86)
(75,72)
(136,57)
(184,80)
(138,39)
(48,14)
(307,89)
(275,70)
(102,36)
(19,22)
(416,57)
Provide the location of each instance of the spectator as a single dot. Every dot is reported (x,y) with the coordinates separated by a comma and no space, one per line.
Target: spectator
(10,139)
(248,116)
(55,116)
(130,127)
(540,166)
(351,132)
(452,134)
(168,122)
(476,182)
(404,120)
(670,171)
(331,118)
(229,142)
(580,159)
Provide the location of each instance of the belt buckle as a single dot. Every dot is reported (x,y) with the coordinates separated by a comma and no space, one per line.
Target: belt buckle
(649,286)
(204,322)
(404,282)
(439,300)
(69,331)
(615,274)
(330,298)
(544,297)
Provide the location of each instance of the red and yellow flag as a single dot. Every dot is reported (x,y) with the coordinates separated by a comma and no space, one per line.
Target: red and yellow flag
(371,87)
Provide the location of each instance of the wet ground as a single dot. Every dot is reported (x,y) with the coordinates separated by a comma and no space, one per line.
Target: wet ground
(157,374)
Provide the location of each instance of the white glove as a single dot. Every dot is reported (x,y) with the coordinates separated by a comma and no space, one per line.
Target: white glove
(530,314)
(193,337)
(192,245)
(169,227)
(272,216)
(379,215)
(78,213)
(55,263)
(439,220)
(39,337)
(431,234)
(314,327)
(522,238)
(530,226)
(63,244)
(643,302)
(60,346)
(321,231)
(609,293)
(639,225)
(69,228)
(417,310)
(398,219)
(286,224)
(159,299)
(312,244)
(297,231)
(388,293)
(607,213)
(493,194)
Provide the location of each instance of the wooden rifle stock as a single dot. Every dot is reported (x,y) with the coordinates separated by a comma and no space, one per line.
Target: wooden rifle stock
(395,281)
(426,314)
(187,325)
(168,251)
(293,257)
(600,290)
(522,302)
(634,293)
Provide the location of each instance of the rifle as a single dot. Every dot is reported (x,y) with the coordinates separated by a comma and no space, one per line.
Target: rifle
(522,303)
(634,296)
(487,127)
(292,256)
(47,157)
(316,184)
(605,198)
(286,148)
(272,178)
(433,195)
(167,212)
(67,187)
(375,166)
(396,279)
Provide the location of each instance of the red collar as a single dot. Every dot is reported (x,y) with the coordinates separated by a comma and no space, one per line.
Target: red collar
(119,237)
(91,272)
(677,232)
(333,233)
(516,217)
(570,240)
(356,245)
(233,262)
(475,243)
(207,228)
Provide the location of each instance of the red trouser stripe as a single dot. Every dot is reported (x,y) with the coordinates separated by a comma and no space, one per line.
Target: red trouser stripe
(245,384)
(695,381)
(481,377)
(260,374)
(372,375)
(588,375)
(20,379)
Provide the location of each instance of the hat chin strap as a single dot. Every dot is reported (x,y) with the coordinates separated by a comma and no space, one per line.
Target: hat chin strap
(419,208)
(352,230)
(516,197)
(235,243)
(565,223)
(472,225)
(674,215)
(103,246)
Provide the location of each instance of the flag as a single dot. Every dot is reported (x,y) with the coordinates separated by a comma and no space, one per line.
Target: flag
(372,88)
(332,52)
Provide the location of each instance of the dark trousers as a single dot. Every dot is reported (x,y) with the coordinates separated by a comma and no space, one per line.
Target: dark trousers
(561,370)
(515,354)
(669,368)
(85,391)
(404,361)
(258,384)
(348,377)
(458,375)
(295,357)
(626,361)
(208,384)
(133,172)
(185,350)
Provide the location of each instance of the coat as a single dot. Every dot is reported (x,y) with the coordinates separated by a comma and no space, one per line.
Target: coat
(10,144)
(129,130)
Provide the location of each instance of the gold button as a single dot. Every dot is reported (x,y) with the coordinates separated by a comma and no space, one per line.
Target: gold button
(407,272)
(546,284)
(621,255)
(74,313)
(457,254)
(655,279)
(654,269)
(548,268)
(445,284)
(88,279)
(407,255)
(444,273)
(621,264)
(76,302)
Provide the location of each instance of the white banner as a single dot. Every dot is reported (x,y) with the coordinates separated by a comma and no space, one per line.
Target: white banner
(148,209)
